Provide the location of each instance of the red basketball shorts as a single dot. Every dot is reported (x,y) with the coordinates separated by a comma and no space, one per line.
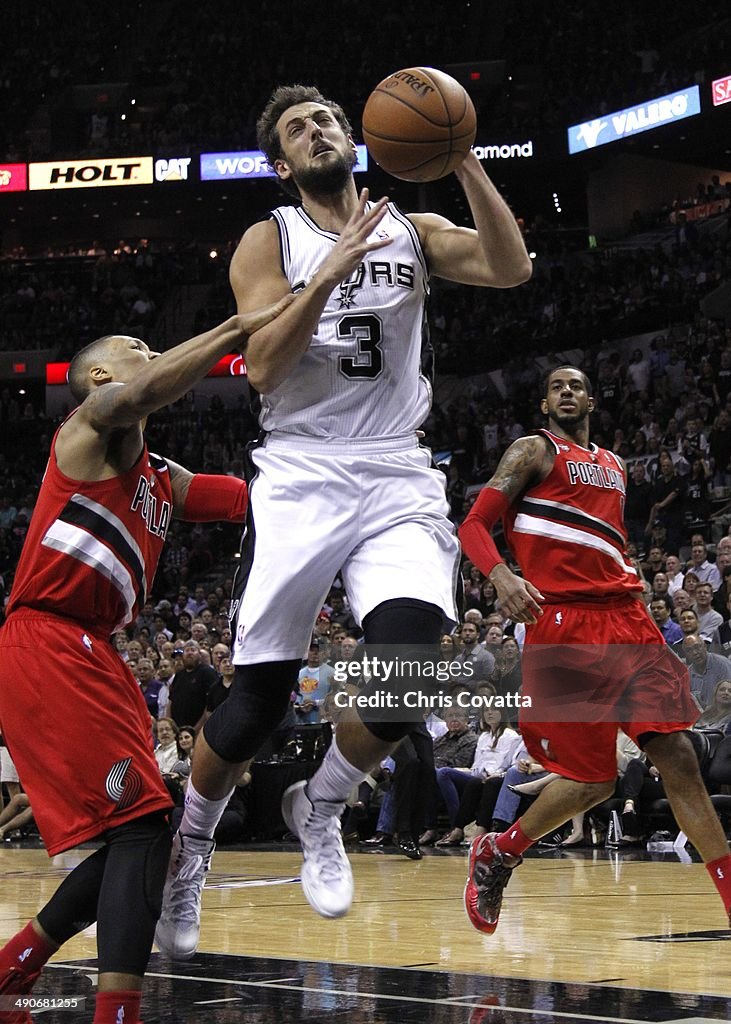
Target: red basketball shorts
(76,724)
(590,670)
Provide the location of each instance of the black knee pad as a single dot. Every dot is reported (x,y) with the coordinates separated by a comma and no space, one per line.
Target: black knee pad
(405,621)
(256,704)
(131,894)
(410,629)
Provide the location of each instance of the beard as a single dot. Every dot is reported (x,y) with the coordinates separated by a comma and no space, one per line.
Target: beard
(568,419)
(329,179)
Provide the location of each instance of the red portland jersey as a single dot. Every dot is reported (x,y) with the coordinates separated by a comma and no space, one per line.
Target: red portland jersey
(92,547)
(567,533)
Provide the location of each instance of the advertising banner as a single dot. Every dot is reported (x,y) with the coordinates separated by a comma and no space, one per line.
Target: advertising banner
(86,173)
(13,177)
(633,120)
(230,366)
(504,150)
(721,91)
(251,163)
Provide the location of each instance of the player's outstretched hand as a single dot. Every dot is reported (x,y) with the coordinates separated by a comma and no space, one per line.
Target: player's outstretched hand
(353,243)
(250,323)
(518,597)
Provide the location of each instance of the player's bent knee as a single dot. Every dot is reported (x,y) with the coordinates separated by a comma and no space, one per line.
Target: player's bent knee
(405,621)
(256,704)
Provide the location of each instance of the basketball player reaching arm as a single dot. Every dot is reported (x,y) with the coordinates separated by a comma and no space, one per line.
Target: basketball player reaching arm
(594,661)
(342,397)
(88,560)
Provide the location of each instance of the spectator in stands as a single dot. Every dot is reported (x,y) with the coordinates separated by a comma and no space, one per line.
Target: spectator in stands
(638,504)
(121,644)
(705,571)
(186,744)
(340,614)
(668,501)
(688,622)
(674,574)
(166,751)
(692,443)
(494,754)
(660,608)
(315,681)
(153,690)
(638,374)
(718,713)
(481,662)
(690,585)
(708,619)
(190,686)
(219,651)
(706,669)
(654,562)
(660,584)
(507,677)
(221,688)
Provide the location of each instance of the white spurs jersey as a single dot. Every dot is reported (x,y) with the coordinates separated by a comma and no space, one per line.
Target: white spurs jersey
(362,374)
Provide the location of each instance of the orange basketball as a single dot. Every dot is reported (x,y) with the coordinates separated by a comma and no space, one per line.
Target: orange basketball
(419,124)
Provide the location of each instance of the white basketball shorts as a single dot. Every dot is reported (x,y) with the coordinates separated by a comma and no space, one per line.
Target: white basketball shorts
(374,510)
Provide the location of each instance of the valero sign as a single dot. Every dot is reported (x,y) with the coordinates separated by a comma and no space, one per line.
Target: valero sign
(633,120)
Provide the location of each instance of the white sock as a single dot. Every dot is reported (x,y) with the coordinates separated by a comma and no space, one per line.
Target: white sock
(201,816)
(335,777)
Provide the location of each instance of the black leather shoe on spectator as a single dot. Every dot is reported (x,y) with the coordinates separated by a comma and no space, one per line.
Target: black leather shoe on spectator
(408,847)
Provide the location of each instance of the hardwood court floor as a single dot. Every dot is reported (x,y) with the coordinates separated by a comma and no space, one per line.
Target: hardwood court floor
(584,936)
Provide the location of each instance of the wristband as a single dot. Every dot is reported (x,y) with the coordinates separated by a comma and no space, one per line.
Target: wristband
(212,498)
(474,533)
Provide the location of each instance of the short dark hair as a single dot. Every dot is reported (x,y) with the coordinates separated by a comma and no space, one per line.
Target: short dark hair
(665,600)
(564,366)
(284,97)
(81,363)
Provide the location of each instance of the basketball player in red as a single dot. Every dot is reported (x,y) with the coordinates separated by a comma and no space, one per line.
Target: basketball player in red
(593,660)
(86,567)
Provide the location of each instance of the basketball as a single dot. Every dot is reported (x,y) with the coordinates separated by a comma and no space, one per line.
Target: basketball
(419,124)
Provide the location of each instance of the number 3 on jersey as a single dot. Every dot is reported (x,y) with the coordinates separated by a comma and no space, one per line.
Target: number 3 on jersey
(366,329)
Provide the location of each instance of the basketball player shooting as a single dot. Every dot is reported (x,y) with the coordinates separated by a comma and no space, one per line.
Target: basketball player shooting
(594,660)
(87,563)
(341,483)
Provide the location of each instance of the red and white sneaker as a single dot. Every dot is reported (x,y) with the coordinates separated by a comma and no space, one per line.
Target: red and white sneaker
(14,982)
(488,873)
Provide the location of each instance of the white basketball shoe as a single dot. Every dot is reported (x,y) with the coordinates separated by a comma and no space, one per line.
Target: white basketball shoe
(327,879)
(178,929)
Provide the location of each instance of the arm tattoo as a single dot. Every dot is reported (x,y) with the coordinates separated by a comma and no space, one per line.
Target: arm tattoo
(180,480)
(519,467)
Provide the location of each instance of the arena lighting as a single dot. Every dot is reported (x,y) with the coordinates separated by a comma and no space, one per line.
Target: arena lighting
(213,254)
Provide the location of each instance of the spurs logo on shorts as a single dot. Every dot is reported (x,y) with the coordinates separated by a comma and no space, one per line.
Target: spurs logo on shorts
(123,783)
